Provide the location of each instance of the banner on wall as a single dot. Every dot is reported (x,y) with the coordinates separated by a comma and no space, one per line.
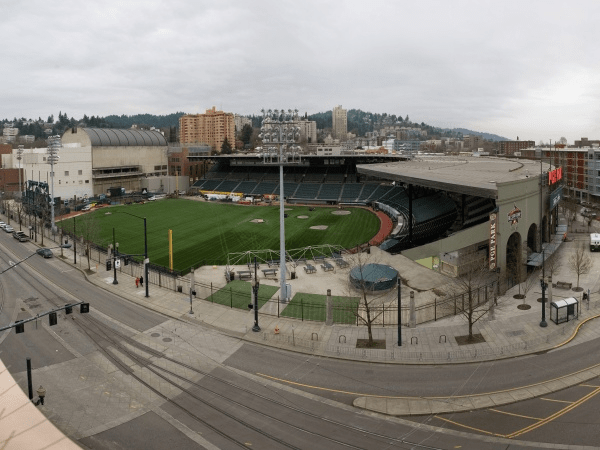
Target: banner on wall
(493,236)
(554,198)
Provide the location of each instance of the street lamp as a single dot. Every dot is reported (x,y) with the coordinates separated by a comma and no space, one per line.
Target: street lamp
(399,312)
(544,285)
(19,157)
(12,266)
(255,286)
(54,145)
(279,133)
(146,260)
(115,258)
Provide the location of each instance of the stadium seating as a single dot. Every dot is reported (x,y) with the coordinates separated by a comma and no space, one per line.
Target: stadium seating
(330,191)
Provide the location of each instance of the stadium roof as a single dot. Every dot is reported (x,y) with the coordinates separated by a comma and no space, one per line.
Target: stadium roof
(114,137)
(479,176)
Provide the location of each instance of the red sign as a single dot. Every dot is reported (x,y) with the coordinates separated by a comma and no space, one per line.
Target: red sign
(554,175)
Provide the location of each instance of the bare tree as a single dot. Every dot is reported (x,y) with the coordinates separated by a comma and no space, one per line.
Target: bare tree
(366,311)
(467,295)
(569,210)
(580,261)
(88,228)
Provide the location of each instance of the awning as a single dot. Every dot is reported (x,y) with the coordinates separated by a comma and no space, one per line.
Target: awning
(536,259)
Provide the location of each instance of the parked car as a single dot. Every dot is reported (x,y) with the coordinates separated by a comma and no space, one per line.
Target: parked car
(151,199)
(20,236)
(8,228)
(2,224)
(45,252)
(86,208)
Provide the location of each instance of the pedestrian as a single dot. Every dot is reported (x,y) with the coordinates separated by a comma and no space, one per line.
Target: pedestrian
(141,281)
(137,282)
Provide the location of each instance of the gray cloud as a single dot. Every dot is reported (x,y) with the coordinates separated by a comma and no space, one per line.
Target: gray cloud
(527,69)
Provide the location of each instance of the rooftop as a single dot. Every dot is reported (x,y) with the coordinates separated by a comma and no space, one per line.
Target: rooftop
(464,175)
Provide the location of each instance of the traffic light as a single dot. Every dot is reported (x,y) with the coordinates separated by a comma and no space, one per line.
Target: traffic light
(108,264)
(53,318)
(84,308)
(68,309)
(19,327)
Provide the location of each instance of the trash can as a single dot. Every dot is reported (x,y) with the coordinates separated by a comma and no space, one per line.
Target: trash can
(293,275)
(232,276)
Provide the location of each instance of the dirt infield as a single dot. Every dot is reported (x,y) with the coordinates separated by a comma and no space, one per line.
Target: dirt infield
(384,230)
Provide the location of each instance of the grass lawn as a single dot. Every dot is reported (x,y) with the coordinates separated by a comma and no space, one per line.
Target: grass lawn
(237,294)
(206,232)
(314,307)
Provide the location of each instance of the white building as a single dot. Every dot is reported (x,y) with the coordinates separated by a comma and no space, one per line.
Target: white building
(10,134)
(72,173)
(92,160)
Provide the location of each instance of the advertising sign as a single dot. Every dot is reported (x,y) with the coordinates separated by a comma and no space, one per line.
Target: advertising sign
(555,197)
(554,175)
(493,236)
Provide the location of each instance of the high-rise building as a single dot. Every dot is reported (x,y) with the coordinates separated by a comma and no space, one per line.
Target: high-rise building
(210,128)
(339,125)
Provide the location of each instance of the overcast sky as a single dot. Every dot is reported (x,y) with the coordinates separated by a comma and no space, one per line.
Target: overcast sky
(515,68)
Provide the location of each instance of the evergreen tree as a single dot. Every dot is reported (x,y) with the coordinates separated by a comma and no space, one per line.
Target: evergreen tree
(226,147)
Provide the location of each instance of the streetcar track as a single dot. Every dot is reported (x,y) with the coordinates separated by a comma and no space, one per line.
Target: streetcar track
(38,286)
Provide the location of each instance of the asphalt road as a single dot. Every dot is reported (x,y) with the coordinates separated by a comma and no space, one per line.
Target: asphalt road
(565,417)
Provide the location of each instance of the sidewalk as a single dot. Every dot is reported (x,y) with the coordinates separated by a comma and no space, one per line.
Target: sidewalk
(509,332)
(512,332)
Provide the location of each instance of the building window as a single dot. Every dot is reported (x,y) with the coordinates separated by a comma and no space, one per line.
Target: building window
(66,173)
(87,181)
(80,172)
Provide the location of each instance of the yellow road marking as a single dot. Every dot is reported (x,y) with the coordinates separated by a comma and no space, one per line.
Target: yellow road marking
(589,385)
(468,427)
(555,415)
(513,414)
(552,400)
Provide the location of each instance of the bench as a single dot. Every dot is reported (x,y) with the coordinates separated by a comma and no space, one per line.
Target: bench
(341,263)
(310,268)
(267,272)
(251,265)
(298,261)
(563,285)
(319,258)
(273,262)
(244,274)
(326,267)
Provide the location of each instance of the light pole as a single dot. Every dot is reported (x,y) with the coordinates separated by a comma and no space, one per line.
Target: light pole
(399,312)
(54,145)
(19,157)
(255,286)
(279,132)
(543,284)
(146,260)
(115,258)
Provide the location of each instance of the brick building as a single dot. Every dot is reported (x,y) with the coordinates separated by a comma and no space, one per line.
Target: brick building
(509,148)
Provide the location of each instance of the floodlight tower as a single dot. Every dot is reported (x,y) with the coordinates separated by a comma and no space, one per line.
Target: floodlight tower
(279,133)
(54,145)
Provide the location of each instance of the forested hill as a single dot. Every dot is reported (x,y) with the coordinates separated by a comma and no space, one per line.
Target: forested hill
(361,122)
(144,120)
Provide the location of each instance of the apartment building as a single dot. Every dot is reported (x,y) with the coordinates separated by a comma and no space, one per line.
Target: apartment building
(580,168)
(211,128)
(509,148)
(339,125)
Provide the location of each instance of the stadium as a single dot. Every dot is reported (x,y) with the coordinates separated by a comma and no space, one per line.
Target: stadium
(447,212)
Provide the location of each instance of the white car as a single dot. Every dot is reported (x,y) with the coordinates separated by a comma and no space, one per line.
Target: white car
(8,228)
(86,208)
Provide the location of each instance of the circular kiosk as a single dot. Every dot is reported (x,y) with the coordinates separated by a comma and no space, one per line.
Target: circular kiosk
(374,277)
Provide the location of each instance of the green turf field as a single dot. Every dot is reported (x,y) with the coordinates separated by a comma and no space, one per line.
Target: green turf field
(314,307)
(206,232)
(237,294)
